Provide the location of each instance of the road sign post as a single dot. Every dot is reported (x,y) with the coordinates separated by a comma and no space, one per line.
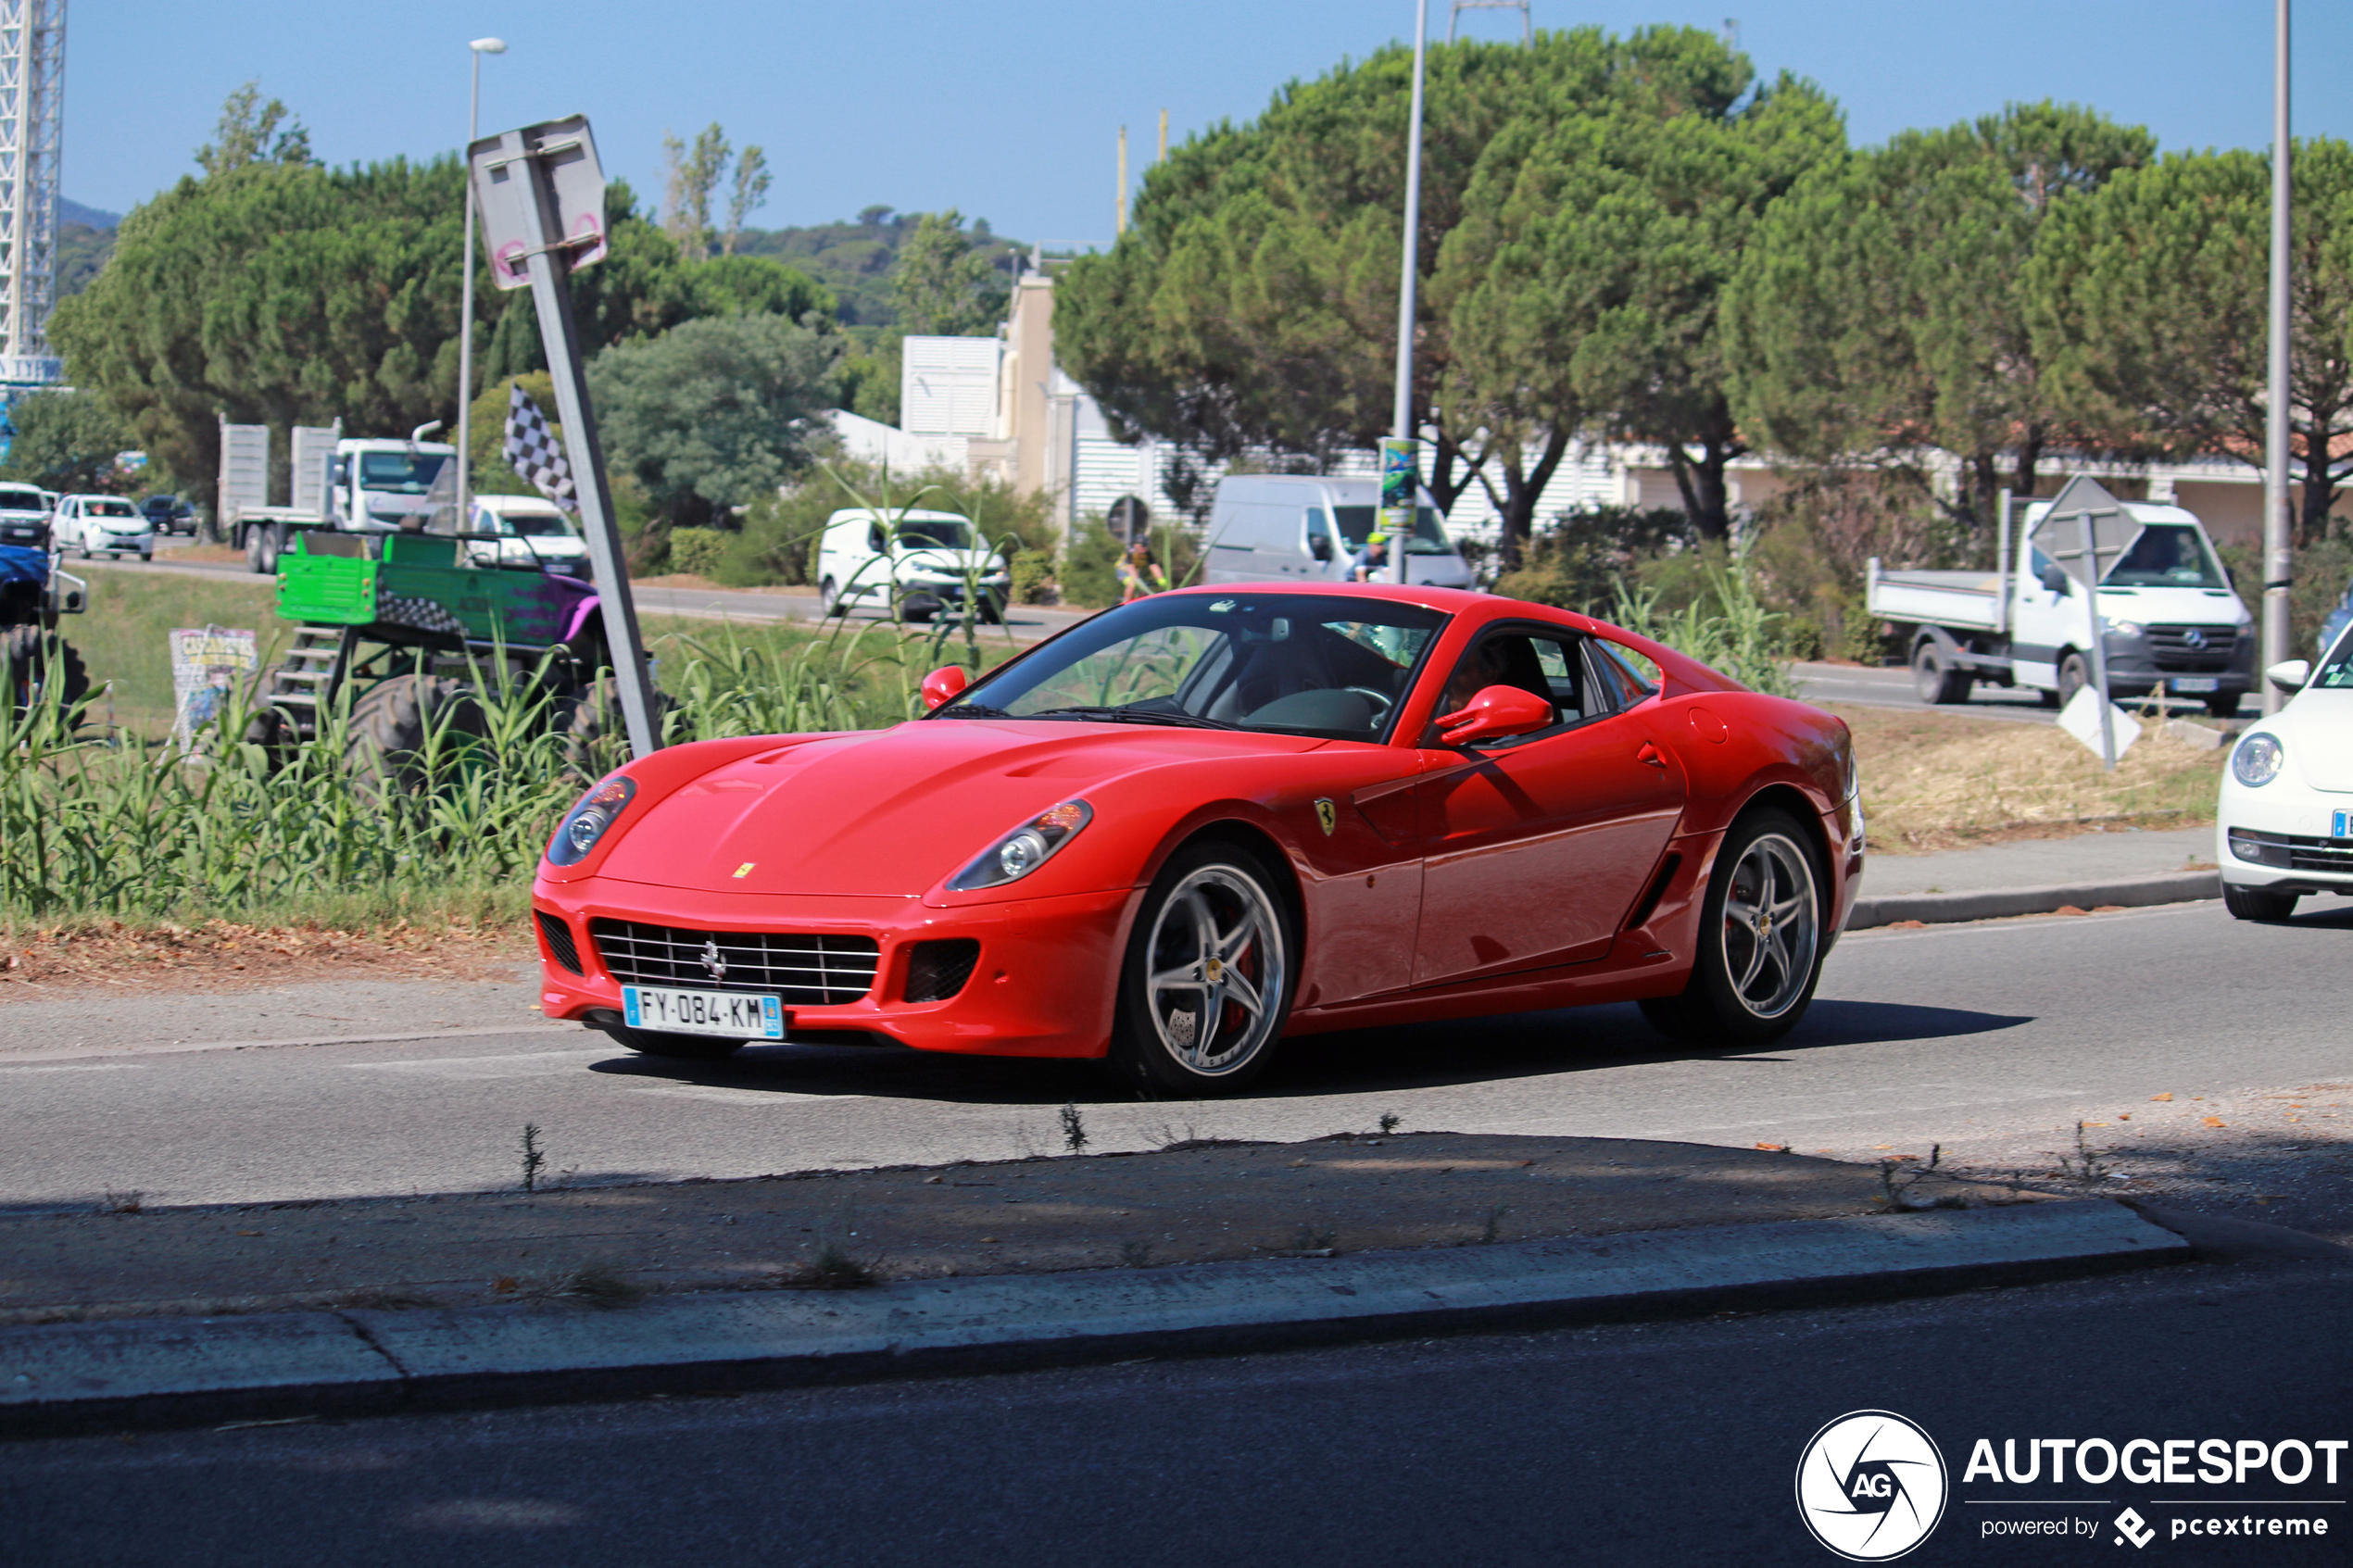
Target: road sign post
(2085,524)
(542,197)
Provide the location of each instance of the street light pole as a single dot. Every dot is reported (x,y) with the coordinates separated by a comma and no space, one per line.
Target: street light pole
(2278,565)
(478,48)
(1404,424)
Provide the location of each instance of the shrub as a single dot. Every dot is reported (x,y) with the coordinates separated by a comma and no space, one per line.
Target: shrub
(699,551)
(1577,562)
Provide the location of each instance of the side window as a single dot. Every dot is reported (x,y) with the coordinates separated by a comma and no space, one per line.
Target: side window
(1319,535)
(1549,667)
(875,545)
(1616,687)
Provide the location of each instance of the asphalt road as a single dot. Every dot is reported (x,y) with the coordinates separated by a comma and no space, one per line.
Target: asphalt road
(1991,1040)
(1666,1444)
(1029,622)
(1855,684)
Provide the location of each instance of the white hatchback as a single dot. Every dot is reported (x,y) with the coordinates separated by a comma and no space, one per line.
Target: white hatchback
(104,525)
(2283,826)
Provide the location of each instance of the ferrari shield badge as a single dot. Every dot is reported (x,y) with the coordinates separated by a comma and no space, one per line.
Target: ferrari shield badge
(1326,816)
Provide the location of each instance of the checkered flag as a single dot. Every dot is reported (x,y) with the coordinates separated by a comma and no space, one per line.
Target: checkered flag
(532,449)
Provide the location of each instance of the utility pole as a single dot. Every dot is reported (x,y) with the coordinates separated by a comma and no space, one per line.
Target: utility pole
(1401,464)
(1164,138)
(1123,181)
(478,48)
(2279,563)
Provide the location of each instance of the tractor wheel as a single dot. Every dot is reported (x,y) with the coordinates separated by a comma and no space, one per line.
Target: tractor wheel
(410,732)
(588,720)
(35,661)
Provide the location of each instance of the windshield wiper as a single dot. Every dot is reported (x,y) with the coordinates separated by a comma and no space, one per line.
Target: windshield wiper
(970,710)
(1135,716)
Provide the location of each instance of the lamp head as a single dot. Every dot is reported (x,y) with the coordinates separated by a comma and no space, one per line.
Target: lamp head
(488,46)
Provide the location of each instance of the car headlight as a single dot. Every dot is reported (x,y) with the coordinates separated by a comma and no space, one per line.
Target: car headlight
(589,821)
(2257,760)
(1025,848)
(2127,628)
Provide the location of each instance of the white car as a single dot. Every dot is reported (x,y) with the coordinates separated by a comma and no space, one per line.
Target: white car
(531,530)
(922,565)
(104,525)
(2283,826)
(24,517)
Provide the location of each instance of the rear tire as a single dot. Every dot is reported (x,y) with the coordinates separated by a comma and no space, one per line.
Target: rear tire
(272,546)
(828,599)
(2259,903)
(32,660)
(391,722)
(1761,939)
(1936,679)
(1215,940)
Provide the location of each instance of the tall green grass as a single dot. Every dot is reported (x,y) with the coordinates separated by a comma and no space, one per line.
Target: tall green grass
(1728,629)
(126,827)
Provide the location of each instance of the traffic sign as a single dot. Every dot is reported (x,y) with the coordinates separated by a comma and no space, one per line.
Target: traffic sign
(571,189)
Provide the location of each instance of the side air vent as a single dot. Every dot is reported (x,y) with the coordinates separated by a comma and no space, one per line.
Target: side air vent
(937,971)
(1652,894)
(558,938)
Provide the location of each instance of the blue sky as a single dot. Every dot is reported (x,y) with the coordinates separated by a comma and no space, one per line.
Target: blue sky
(1009,110)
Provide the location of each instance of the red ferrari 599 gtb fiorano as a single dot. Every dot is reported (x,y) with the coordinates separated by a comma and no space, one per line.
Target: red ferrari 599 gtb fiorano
(1190,826)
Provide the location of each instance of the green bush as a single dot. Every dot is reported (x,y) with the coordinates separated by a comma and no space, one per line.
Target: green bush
(699,551)
(1578,561)
(1091,569)
(2322,569)
(1033,577)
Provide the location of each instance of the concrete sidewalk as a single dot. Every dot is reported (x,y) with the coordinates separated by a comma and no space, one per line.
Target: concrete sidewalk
(2117,866)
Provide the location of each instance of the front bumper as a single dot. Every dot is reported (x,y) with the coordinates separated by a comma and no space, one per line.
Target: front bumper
(2138,666)
(1045,982)
(2286,841)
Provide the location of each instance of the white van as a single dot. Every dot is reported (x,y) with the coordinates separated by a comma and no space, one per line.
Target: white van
(531,530)
(1275,528)
(858,561)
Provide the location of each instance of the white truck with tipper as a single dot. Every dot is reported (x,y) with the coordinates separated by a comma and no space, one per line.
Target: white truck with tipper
(2172,620)
(363,486)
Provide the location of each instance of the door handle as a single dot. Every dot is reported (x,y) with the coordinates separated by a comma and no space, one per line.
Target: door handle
(1650,755)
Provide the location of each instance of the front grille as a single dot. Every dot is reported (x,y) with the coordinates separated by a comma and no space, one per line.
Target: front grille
(2175,648)
(808,970)
(2293,852)
(937,971)
(558,937)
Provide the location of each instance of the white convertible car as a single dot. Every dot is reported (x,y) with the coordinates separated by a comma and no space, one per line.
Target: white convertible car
(2285,824)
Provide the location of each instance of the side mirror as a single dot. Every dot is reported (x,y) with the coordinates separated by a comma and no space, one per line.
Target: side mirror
(2054,579)
(2290,674)
(943,683)
(1320,546)
(1496,713)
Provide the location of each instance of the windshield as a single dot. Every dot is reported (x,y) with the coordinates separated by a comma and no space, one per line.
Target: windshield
(527,525)
(2166,555)
(928,534)
(23,501)
(107,508)
(1327,665)
(1356,526)
(2336,670)
(404,473)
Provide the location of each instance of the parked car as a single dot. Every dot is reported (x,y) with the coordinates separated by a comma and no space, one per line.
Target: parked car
(104,525)
(24,517)
(1294,528)
(2282,825)
(529,531)
(169,514)
(1214,817)
(919,565)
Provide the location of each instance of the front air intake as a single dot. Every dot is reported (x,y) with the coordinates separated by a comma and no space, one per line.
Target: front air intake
(937,971)
(558,939)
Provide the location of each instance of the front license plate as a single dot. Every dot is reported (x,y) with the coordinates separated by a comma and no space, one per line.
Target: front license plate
(2195,686)
(731,1013)
(2341,825)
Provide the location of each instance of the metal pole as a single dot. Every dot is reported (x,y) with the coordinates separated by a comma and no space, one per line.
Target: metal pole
(1121,219)
(552,296)
(2279,563)
(478,48)
(1405,410)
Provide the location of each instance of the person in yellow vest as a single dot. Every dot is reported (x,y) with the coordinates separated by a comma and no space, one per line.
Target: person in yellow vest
(1140,575)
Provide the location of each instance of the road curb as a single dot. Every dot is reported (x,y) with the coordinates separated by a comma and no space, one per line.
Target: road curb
(62,1378)
(1943,909)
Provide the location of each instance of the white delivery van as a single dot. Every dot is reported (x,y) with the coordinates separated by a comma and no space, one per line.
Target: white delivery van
(1295,528)
(922,564)
(526,531)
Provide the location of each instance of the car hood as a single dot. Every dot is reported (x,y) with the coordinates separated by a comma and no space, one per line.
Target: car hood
(2317,730)
(892,812)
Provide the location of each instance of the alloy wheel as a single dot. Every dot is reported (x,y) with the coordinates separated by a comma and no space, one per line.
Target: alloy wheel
(1771,925)
(1216,972)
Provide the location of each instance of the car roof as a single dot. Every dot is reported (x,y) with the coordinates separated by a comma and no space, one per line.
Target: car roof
(867,514)
(502,505)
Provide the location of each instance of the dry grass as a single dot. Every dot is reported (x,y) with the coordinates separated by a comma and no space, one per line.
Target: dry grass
(1940,780)
(219,954)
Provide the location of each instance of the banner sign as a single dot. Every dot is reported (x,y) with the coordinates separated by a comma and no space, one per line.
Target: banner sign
(207,664)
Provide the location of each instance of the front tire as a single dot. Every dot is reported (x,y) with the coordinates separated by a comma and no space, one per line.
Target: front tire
(33,660)
(1761,942)
(828,599)
(2223,704)
(2259,903)
(1209,975)
(1936,679)
(2074,674)
(409,732)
